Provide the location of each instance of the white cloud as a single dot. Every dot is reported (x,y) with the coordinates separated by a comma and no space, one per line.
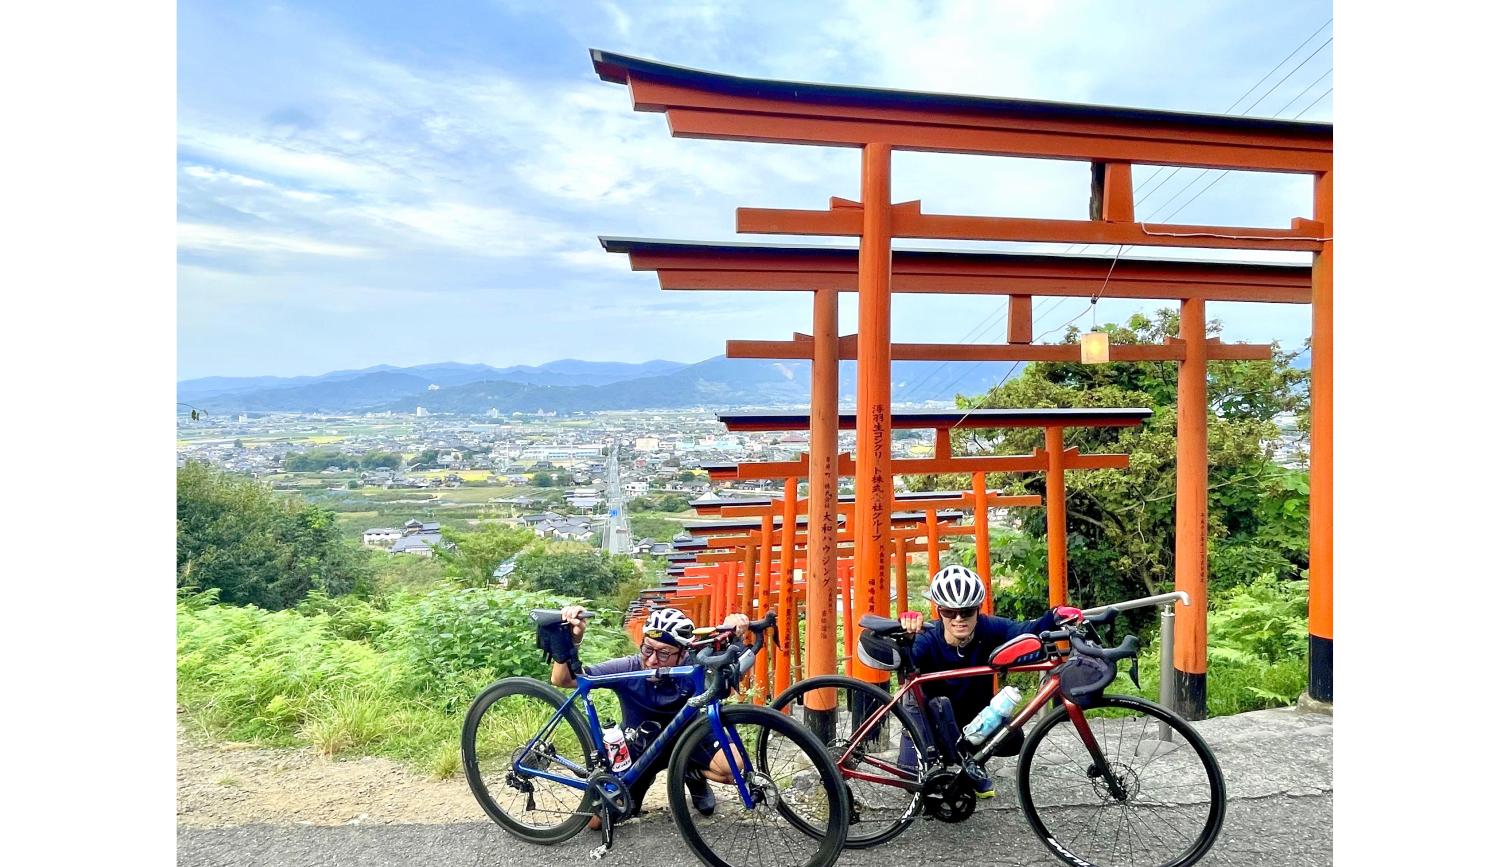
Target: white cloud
(209,238)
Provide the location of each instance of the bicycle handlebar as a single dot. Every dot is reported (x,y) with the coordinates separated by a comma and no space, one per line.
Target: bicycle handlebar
(551,616)
(717,661)
(1128,648)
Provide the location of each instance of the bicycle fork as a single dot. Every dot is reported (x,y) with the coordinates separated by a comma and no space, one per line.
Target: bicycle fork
(734,752)
(1100,766)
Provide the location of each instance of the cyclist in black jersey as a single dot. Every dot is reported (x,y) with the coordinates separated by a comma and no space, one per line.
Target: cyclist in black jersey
(963,637)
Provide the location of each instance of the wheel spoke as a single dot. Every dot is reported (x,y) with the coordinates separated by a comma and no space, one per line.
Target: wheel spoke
(1169,807)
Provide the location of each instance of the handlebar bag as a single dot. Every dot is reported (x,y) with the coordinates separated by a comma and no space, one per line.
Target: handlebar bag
(878,652)
(1083,678)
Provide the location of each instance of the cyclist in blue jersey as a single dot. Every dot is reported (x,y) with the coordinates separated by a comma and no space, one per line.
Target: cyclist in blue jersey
(963,637)
(664,643)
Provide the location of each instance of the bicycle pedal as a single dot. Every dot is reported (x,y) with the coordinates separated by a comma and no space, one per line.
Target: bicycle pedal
(598,852)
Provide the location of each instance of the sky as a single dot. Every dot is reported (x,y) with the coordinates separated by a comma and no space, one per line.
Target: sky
(376,182)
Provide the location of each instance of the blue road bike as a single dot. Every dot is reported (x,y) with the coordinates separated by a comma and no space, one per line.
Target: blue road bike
(537,763)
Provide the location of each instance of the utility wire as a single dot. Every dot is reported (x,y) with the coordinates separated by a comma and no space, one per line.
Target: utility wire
(917,388)
(1170,172)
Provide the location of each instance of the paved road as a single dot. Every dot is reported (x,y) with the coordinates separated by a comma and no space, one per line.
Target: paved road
(1278,766)
(615,541)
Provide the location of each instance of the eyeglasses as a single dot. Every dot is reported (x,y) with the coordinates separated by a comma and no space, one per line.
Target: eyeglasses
(959,613)
(648,652)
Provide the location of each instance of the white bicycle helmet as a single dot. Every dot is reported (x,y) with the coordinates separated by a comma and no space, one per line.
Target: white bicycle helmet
(669,625)
(956,587)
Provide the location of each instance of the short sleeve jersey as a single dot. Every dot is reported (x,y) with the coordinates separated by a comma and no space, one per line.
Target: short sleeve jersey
(641,700)
(968,695)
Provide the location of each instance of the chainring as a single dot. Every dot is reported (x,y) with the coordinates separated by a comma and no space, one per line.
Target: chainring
(949,796)
(612,793)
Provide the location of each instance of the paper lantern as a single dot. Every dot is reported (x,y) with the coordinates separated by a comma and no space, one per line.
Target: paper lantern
(1094,347)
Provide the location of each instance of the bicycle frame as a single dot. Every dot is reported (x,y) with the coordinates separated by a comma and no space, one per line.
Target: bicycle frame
(928,752)
(692,675)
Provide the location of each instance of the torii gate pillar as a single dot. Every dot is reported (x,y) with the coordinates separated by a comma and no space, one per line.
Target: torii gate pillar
(874,480)
(1191,513)
(1320,457)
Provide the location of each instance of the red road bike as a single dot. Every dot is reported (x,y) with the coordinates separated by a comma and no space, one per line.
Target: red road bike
(1102,779)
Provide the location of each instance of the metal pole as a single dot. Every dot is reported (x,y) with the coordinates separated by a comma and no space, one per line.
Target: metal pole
(1167,663)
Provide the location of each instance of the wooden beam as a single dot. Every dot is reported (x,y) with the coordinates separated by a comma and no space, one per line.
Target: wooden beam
(1172,350)
(910,222)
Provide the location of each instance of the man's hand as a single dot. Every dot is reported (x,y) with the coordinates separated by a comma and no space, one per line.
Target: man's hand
(573,614)
(1065,614)
(913,622)
(740,623)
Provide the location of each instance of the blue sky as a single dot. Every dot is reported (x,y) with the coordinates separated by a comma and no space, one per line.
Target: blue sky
(387,182)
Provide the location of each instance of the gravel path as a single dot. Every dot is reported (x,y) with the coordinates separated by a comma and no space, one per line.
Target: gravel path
(226,784)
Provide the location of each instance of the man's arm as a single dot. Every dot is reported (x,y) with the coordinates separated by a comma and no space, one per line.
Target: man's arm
(561,669)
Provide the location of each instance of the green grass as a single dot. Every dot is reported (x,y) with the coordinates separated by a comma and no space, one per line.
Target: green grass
(345,676)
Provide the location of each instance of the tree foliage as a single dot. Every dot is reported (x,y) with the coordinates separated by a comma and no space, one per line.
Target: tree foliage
(315,460)
(1121,523)
(573,568)
(257,547)
(477,554)
(663,503)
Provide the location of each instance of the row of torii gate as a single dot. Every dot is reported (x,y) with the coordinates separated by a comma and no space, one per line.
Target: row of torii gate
(822,555)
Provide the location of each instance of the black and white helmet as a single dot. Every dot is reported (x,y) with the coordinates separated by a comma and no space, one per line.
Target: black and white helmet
(669,625)
(956,587)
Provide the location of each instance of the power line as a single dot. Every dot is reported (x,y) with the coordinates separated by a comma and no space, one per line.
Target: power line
(1170,172)
(1174,213)
(930,376)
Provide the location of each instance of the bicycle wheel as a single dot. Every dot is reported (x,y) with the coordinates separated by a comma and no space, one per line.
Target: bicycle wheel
(1173,802)
(799,816)
(502,721)
(835,707)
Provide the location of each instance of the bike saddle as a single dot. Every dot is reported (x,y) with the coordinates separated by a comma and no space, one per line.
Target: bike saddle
(880,625)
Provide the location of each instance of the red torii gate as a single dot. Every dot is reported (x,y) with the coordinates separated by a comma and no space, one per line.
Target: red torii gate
(709,105)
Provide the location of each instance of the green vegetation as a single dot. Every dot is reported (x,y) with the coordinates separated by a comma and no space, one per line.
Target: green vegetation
(477,554)
(659,527)
(258,547)
(390,676)
(1121,523)
(315,460)
(663,503)
(573,567)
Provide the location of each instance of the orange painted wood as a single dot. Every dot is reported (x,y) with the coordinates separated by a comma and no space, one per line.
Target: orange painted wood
(900,576)
(1055,514)
(1033,142)
(1321,445)
(983,542)
(786,617)
(911,223)
(1190,649)
(775,267)
(1117,193)
(874,472)
(763,667)
(1020,320)
(932,530)
(775,111)
(1170,351)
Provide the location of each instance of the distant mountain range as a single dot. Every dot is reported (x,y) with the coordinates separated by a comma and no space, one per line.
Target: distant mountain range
(570,385)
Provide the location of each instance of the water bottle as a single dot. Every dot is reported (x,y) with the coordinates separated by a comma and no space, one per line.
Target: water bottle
(615,748)
(992,716)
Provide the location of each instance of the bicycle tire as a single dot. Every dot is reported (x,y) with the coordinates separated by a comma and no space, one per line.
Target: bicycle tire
(858,836)
(472,762)
(1073,762)
(828,847)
